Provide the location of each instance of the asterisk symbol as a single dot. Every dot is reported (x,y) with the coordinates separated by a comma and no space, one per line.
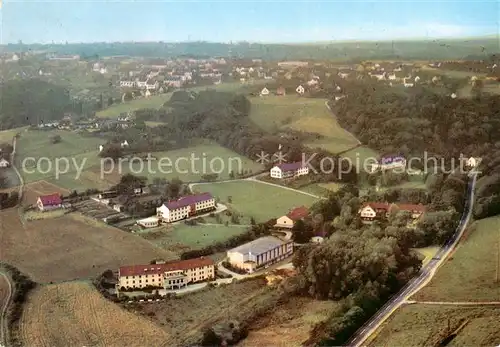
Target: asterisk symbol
(262,158)
(279,157)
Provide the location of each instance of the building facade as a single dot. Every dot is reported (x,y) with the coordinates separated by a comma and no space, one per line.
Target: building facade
(172,275)
(289,170)
(288,221)
(259,253)
(372,211)
(186,207)
(49,202)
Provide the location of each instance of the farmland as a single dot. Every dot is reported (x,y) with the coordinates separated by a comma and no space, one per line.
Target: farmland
(180,237)
(185,319)
(75,314)
(427,325)
(470,273)
(6,136)
(309,115)
(76,247)
(289,324)
(259,200)
(157,101)
(36,144)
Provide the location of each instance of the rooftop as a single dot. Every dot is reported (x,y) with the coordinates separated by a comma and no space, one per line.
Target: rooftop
(298,213)
(52,199)
(291,166)
(188,200)
(259,246)
(402,207)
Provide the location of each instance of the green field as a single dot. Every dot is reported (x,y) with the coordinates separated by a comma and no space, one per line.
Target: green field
(255,199)
(182,237)
(74,148)
(360,157)
(470,273)
(6,136)
(156,101)
(274,113)
(426,325)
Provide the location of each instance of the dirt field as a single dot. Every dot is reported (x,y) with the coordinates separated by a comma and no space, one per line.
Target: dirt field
(427,325)
(186,318)
(33,190)
(75,314)
(288,325)
(69,247)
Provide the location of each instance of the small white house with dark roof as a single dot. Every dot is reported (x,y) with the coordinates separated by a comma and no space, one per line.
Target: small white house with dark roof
(289,170)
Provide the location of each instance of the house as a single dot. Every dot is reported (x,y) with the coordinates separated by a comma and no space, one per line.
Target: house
(264,92)
(453,95)
(259,253)
(300,90)
(124,144)
(127,84)
(288,170)
(392,77)
(380,76)
(312,82)
(141,83)
(151,85)
(372,211)
(107,195)
(343,75)
(101,147)
(281,91)
(185,207)
(49,202)
(147,93)
(317,239)
(150,222)
(389,163)
(288,221)
(473,162)
(4,163)
(170,276)
(339,97)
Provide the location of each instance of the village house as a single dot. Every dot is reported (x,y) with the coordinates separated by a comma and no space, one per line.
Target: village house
(259,253)
(288,221)
(141,82)
(389,163)
(281,91)
(186,207)
(151,85)
(127,83)
(473,162)
(49,202)
(4,162)
(289,170)
(170,276)
(300,90)
(264,92)
(372,211)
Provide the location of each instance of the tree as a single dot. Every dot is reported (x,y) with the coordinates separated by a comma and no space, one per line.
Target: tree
(173,188)
(300,232)
(112,151)
(55,139)
(110,101)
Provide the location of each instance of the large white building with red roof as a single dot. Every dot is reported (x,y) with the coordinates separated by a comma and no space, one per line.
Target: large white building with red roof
(289,170)
(49,202)
(171,275)
(186,207)
(371,211)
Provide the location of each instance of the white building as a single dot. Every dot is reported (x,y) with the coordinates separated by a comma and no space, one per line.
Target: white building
(264,92)
(124,144)
(259,253)
(288,170)
(4,163)
(127,84)
(172,275)
(185,207)
(152,85)
(300,90)
(150,222)
(389,163)
(473,162)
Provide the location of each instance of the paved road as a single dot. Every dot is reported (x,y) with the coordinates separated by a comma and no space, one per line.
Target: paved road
(5,296)
(457,303)
(426,274)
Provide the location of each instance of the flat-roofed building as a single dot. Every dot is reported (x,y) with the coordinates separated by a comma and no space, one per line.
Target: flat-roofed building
(259,253)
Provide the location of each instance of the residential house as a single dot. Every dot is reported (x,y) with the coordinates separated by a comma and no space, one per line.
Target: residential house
(372,211)
(173,81)
(312,82)
(170,276)
(288,221)
(152,85)
(49,202)
(4,162)
(264,92)
(259,253)
(300,90)
(343,75)
(127,84)
(289,170)
(473,162)
(391,77)
(389,163)
(185,207)
(379,76)
(317,239)
(141,82)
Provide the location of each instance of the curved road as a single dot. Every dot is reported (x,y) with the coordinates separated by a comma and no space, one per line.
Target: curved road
(5,296)
(426,274)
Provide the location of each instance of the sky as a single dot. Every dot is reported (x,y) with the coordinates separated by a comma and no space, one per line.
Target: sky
(39,21)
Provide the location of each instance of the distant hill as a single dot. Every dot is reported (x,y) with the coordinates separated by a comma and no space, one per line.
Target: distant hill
(341,51)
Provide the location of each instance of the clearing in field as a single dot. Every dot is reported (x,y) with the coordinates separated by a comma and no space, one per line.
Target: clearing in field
(157,101)
(471,272)
(186,318)
(70,247)
(427,325)
(274,113)
(181,237)
(289,325)
(75,314)
(254,199)
(37,144)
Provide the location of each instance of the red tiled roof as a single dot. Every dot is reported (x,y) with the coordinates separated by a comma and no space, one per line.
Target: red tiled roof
(188,200)
(50,200)
(135,270)
(298,213)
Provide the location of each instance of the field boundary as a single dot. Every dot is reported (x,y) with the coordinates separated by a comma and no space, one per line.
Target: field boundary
(4,330)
